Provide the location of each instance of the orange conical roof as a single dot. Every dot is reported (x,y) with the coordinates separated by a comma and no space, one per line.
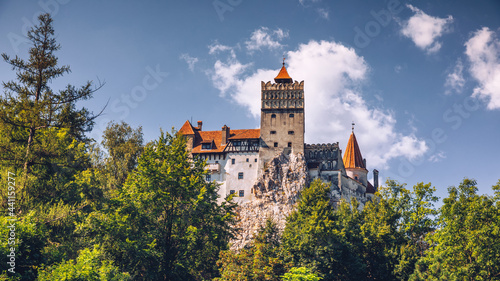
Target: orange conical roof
(283,76)
(352,156)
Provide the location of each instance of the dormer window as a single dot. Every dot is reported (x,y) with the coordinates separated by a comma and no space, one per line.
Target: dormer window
(206,145)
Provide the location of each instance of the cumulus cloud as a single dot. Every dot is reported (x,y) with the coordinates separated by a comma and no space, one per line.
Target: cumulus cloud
(333,73)
(483,52)
(455,80)
(265,38)
(191,61)
(424,30)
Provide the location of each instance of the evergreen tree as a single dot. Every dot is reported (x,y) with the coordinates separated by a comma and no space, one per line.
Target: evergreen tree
(43,133)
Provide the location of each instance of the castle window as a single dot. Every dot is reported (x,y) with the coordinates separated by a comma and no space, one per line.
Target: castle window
(273,115)
(273,132)
(289,144)
(291,115)
(291,132)
(232,192)
(255,160)
(209,177)
(242,193)
(247,160)
(206,146)
(233,161)
(275,144)
(240,175)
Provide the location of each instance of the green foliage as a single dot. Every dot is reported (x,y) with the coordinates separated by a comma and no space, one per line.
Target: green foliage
(318,237)
(165,222)
(466,246)
(300,274)
(124,145)
(260,260)
(89,265)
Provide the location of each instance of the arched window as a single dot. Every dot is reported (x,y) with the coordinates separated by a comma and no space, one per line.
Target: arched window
(273,115)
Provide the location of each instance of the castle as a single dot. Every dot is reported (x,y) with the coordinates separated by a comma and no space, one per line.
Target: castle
(237,158)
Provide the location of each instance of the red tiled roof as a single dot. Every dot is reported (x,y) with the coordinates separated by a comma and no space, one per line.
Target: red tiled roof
(352,157)
(245,134)
(187,129)
(215,137)
(283,76)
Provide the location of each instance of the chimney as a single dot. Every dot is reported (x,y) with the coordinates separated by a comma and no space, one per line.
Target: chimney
(200,123)
(225,135)
(375,179)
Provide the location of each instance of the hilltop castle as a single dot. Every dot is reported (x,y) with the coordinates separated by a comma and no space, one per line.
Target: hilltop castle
(237,158)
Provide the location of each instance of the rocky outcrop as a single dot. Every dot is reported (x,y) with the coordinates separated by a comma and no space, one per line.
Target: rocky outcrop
(276,191)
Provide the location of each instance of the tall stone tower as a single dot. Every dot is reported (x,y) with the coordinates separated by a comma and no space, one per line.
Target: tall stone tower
(281,116)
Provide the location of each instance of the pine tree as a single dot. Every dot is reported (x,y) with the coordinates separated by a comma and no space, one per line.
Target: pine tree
(41,127)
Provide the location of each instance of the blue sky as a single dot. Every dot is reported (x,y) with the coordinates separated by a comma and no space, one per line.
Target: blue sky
(421,79)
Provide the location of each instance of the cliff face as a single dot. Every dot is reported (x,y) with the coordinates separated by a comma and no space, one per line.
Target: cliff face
(276,190)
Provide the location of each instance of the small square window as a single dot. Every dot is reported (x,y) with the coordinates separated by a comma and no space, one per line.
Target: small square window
(232,192)
(248,159)
(242,193)
(273,115)
(289,144)
(255,160)
(291,115)
(273,132)
(275,144)
(233,161)
(291,132)
(240,175)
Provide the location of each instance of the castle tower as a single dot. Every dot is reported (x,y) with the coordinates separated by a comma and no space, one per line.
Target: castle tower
(355,165)
(281,116)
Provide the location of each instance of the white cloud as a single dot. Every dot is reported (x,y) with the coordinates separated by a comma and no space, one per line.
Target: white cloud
(437,157)
(332,74)
(455,80)
(424,30)
(304,2)
(216,48)
(323,13)
(483,52)
(265,38)
(191,61)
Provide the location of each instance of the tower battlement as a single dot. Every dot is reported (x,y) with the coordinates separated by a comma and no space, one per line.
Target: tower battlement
(269,86)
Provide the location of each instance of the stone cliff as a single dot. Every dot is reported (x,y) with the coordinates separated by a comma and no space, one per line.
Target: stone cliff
(276,191)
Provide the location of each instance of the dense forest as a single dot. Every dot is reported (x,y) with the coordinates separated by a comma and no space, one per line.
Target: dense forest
(74,209)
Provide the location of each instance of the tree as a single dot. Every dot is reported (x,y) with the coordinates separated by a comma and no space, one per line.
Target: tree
(318,237)
(466,245)
(90,265)
(165,223)
(33,116)
(300,274)
(124,146)
(260,260)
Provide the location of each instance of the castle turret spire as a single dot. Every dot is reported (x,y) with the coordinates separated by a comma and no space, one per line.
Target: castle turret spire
(352,156)
(283,76)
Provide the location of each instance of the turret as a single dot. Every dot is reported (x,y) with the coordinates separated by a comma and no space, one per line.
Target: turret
(355,165)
